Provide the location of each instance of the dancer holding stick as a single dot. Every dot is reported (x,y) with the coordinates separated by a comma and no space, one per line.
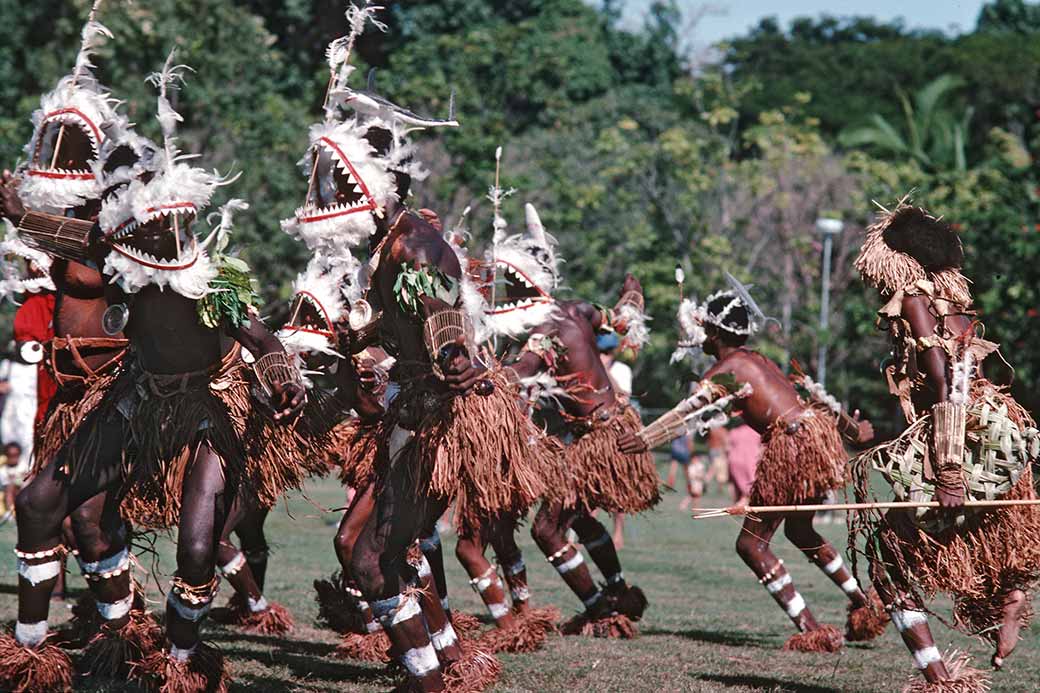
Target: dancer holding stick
(802,459)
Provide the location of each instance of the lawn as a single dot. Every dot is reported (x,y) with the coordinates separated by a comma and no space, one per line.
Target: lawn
(709,627)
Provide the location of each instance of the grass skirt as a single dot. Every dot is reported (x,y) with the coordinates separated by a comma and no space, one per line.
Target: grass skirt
(980,558)
(70,406)
(801,461)
(169,417)
(482,451)
(601,476)
(353,453)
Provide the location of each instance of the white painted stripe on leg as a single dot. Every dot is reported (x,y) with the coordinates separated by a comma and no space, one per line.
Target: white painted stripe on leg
(420,661)
(424,568)
(257,606)
(520,594)
(516,568)
(796,606)
(30,634)
(926,656)
(592,601)
(119,561)
(234,565)
(905,619)
(409,608)
(482,583)
(779,583)
(570,564)
(39,572)
(834,566)
(115,610)
(180,655)
(186,612)
(498,610)
(443,638)
(850,586)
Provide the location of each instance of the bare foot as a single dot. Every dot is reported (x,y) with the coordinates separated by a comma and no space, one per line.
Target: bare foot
(1007,638)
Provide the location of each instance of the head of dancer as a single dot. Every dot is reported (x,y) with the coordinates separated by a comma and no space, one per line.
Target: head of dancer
(68,133)
(152,199)
(526,273)
(908,245)
(724,320)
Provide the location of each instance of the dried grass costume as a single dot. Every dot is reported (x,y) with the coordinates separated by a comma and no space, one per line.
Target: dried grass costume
(986,554)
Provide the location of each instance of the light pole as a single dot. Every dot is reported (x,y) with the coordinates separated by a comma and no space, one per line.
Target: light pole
(829,228)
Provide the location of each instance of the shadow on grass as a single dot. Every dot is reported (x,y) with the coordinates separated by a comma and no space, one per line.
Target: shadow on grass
(716,637)
(308,667)
(770,684)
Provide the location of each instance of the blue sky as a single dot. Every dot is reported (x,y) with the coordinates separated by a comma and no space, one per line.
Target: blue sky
(736,16)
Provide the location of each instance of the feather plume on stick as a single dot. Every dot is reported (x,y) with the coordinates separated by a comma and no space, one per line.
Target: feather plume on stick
(166,80)
(744,295)
(220,236)
(338,53)
(92,36)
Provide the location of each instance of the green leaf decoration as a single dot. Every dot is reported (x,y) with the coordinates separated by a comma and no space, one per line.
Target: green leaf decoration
(414,283)
(233,293)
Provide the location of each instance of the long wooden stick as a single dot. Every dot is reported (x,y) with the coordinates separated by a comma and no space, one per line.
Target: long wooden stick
(708,513)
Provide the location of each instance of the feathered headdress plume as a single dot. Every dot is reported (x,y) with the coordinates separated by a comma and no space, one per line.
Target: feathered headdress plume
(169,78)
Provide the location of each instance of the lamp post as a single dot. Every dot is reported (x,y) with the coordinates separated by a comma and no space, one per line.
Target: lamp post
(829,228)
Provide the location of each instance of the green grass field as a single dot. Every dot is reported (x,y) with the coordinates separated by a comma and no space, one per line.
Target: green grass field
(709,627)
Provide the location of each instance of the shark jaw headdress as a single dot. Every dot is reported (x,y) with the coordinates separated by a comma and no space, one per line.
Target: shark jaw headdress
(526,272)
(351,163)
(325,294)
(68,132)
(22,269)
(731,310)
(150,206)
(890,270)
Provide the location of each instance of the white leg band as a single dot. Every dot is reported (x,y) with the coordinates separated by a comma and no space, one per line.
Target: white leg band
(926,656)
(115,610)
(778,584)
(599,541)
(444,604)
(516,568)
(796,606)
(420,661)
(234,565)
(39,572)
(118,562)
(570,564)
(850,586)
(834,566)
(30,634)
(409,609)
(520,594)
(180,655)
(592,601)
(616,578)
(186,612)
(258,605)
(424,568)
(498,611)
(443,638)
(905,619)
(482,583)
(373,626)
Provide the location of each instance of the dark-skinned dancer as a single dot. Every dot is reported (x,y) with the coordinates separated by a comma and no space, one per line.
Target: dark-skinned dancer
(802,459)
(186,404)
(966,437)
(560,370)
(70,128)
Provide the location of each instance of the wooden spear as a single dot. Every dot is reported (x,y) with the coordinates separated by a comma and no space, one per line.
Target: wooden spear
(709,513)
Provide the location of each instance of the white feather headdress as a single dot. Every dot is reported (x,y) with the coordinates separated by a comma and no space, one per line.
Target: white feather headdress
(78,102)
(15,278)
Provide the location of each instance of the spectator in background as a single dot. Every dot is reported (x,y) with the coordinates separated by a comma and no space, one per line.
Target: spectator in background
(10,478)
(19,413)
(621,378)
(718,466)
(745,447)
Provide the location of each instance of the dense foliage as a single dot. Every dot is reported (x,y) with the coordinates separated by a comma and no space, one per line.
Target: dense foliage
(636,160)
